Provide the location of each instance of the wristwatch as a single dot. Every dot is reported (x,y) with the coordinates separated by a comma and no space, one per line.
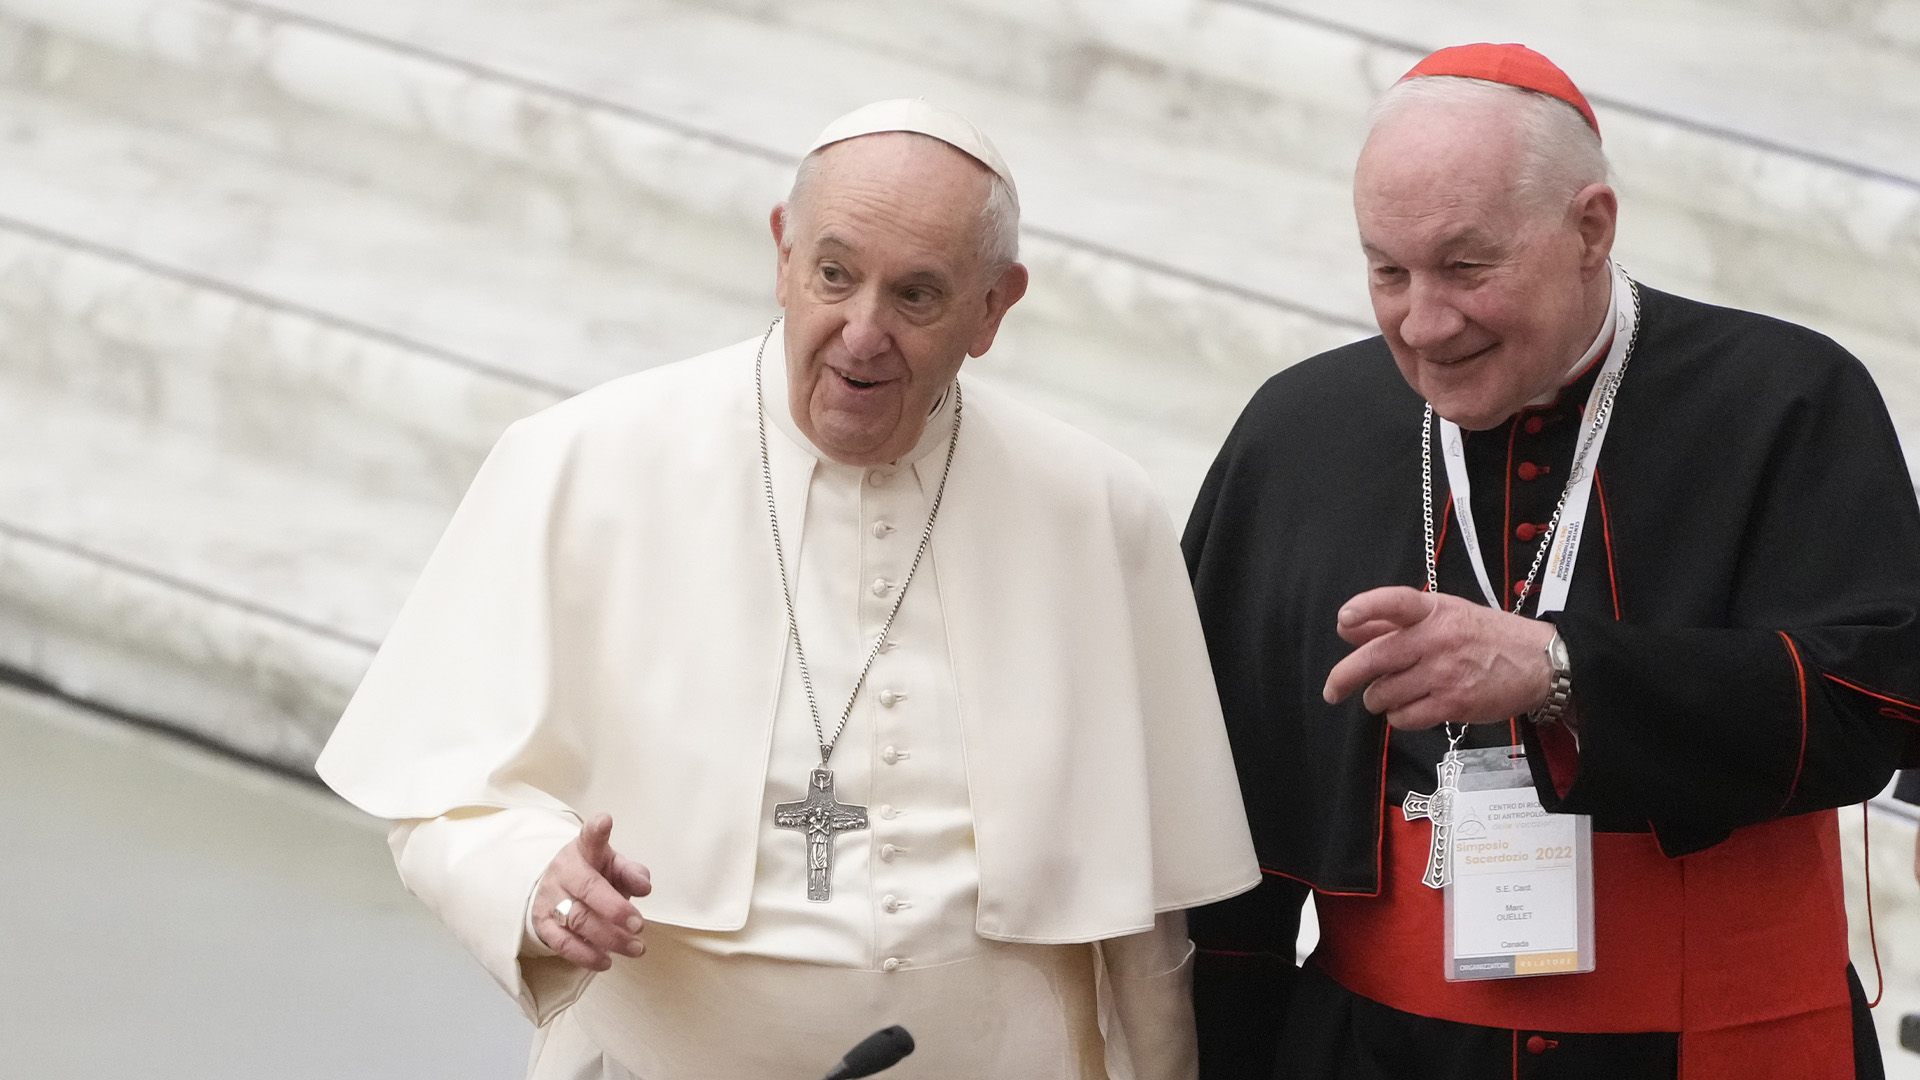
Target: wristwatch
(1560,686)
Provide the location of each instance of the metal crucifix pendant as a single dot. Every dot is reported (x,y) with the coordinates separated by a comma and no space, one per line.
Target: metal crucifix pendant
(821,816)
(1438,807)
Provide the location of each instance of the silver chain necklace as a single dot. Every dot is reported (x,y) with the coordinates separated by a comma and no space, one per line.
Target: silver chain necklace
(821,815)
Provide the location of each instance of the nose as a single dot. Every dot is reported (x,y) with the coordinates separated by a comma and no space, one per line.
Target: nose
(1431,318)
(865,334)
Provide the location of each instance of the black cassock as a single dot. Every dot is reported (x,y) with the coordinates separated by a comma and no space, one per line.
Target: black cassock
(1752,509)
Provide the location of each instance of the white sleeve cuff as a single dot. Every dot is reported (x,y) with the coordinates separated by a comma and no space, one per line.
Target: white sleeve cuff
(477,869)
(1145,989)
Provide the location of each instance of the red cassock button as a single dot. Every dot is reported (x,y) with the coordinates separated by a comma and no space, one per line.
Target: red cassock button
(1527,531)
(1540,1044)
(1528,470)
(1520,588)
(1534,424)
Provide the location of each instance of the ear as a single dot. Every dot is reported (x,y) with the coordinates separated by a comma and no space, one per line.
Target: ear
(1594,214)
(1006,292)
(780,221)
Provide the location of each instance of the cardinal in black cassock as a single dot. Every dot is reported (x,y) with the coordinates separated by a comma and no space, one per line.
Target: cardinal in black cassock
(1740,632)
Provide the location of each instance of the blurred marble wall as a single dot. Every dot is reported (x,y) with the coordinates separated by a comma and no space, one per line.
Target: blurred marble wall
(274,274)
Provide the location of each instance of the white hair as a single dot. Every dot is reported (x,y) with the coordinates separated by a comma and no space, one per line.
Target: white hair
(999,213)
(1562,151)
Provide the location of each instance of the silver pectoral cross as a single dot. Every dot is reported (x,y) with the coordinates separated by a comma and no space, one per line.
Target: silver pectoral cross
(1438,808)
(821,816)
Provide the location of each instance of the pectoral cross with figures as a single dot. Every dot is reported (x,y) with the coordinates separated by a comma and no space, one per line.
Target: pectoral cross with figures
(1438,808)
(821,816)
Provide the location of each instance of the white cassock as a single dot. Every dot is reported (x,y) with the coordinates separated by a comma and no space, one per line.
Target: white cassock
(1040,750)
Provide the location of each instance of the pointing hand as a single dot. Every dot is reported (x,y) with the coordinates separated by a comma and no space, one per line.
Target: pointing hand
(601,920)
(1426,659)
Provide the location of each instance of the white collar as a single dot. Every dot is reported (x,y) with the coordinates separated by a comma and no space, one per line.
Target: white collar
(1599,345)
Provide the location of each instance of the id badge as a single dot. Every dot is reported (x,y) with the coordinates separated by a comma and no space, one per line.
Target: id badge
(1520,901)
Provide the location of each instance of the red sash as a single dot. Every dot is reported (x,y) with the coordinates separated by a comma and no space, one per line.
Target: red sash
(1741,948)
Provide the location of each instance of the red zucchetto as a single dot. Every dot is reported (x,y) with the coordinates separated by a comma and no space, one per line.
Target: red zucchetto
(1513,65)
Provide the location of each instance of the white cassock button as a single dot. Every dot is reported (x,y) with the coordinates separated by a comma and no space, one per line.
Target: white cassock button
(890,698)
(892,963)
(878,478)
(887,852)
(881,529)
(880,586)
(889,904)
(892,755)
(887,811)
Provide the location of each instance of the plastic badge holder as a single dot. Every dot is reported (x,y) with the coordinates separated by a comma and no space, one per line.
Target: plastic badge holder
(1521,899)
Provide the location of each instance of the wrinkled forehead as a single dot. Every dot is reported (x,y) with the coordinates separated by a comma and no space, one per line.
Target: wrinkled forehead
(892,192)
(902,168)
(1465,156)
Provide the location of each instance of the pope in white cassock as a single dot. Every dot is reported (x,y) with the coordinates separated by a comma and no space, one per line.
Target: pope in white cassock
(880,693)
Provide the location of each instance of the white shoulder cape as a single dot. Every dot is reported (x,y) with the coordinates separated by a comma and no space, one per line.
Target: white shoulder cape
(601,629)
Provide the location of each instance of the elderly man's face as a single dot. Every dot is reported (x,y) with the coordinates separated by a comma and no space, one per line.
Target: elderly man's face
(1485,301)
(886,291)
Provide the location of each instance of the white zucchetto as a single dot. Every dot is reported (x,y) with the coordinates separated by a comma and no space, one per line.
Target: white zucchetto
(922,117)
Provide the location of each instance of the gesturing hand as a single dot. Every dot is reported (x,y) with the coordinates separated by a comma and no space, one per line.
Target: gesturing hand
(600,880)
(1426,659)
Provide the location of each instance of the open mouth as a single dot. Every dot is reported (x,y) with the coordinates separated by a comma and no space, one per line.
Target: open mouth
(857,384)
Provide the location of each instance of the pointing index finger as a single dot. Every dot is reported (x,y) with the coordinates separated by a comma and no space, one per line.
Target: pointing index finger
(1396,605)
(1368,622)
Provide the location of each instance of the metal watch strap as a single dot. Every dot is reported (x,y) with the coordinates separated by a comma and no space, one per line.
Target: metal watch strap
(1560,689)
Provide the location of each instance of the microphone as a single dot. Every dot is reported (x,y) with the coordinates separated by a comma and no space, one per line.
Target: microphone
(881,1050)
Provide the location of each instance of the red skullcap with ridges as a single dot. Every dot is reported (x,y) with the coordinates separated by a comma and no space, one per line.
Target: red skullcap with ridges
(1513,65)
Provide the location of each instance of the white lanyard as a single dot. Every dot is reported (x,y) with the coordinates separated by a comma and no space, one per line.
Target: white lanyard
(1623,311)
